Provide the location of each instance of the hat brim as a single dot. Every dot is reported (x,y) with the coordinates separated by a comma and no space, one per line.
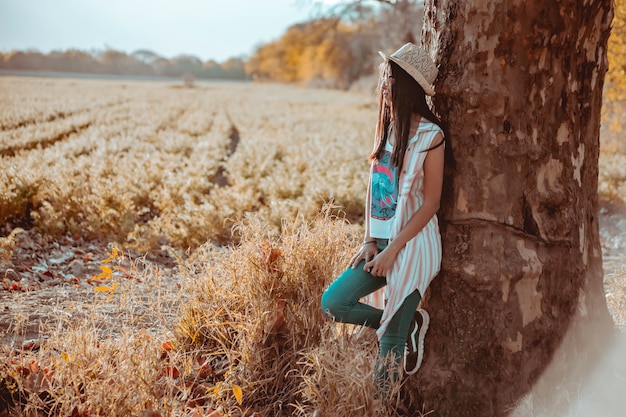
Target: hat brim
(417,76)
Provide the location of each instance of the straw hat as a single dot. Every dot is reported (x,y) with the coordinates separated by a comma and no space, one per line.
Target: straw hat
(417,63)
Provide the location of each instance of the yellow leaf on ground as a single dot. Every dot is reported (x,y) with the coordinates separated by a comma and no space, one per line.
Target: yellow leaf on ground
(216,389)
(106,273)
(238,393)
(105,288)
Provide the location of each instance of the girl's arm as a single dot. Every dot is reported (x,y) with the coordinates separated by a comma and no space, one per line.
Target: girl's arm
(382,264)
(368,207)
(367,250)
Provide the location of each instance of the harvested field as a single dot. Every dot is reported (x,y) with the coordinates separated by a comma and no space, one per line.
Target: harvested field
(128,209)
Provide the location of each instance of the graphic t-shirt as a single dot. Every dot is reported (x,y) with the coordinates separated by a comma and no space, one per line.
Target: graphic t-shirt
(384,195)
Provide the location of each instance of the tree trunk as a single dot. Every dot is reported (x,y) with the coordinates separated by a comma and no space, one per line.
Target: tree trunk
(520,86)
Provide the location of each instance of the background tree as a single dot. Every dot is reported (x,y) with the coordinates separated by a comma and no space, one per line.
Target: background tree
(140,63)
(116,62)
(146,56)
(400,20)
(19,60)
(339,46)
(293,58)
(614,120)
(521,86)
(72,60)
(233,69)
(186,64)
(616,75)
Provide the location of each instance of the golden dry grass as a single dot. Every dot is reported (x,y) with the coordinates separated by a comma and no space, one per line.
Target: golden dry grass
(150,166)
(234,181)
(136,163)
(244,322)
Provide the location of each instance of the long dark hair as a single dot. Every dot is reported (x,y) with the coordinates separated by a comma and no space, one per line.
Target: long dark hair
(407,97)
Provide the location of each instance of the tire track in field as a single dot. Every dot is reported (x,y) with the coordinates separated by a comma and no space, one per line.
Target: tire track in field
(48,119)
(11,151)
(59,116)
(219,178)
(170,122)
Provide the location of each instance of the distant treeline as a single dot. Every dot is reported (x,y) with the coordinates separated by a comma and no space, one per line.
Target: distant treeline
(332,51)
(110,61)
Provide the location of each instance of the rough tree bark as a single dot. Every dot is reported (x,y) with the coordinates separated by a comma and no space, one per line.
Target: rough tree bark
(520,85)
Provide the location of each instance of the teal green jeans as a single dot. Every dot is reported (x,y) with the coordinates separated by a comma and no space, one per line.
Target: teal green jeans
(341,301)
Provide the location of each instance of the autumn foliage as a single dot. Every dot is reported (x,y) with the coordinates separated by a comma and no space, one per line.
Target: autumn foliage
(327,51)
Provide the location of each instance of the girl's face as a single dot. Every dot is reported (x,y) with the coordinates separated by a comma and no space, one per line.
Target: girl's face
(386,81)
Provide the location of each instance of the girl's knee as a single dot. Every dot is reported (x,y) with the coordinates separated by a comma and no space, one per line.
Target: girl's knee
(334,304)
(330,306)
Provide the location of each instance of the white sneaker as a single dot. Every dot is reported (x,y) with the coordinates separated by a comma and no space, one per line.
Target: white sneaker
(414,348)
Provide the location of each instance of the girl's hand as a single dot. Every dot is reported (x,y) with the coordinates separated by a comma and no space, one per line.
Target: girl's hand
(382,264)
(367,252)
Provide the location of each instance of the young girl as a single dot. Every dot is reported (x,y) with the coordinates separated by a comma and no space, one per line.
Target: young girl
(402,245)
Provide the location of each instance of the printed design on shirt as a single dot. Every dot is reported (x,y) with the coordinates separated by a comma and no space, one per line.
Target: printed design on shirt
(384,189)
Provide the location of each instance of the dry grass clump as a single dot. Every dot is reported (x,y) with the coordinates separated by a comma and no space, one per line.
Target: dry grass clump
(109,357)
(68,375)
(255,311)
(260,301)
(338,378)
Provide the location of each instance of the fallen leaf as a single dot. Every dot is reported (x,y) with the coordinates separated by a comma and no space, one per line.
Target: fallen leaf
(238,393)
(105,288)
(32,344)
(216,389)
(172,372)
(204,370)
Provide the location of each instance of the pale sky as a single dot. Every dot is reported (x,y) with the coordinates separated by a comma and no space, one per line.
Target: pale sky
(208,29)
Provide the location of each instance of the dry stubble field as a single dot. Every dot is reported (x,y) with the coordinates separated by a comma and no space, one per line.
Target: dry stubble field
(119,199)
